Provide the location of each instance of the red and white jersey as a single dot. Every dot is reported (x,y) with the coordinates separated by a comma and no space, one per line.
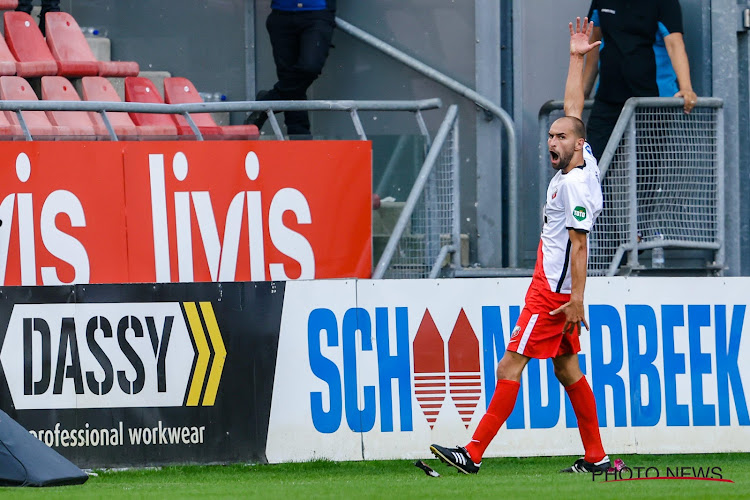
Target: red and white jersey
(574,201)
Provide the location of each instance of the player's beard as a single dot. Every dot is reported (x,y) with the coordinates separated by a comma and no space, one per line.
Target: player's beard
(564,160)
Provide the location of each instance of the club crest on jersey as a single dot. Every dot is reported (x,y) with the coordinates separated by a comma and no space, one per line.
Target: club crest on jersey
(579,213)
(515,332)
(554,195)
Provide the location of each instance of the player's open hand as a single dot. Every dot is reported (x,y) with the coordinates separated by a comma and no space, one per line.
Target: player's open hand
(574,316)
(579,38)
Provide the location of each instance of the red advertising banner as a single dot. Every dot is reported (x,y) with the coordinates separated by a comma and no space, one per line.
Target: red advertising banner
(106,212)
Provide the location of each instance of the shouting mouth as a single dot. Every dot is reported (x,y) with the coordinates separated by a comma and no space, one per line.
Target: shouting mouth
(554,157)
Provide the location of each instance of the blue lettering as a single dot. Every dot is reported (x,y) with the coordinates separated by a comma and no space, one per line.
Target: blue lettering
(357,320)
(637,316)
(394,367)
(326,370)
(543,417)
(727,364)
(493,348)
(603,375)
(700,363)
(674,363)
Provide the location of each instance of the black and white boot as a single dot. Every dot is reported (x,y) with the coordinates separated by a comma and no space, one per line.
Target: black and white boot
(582,465)
(456,457)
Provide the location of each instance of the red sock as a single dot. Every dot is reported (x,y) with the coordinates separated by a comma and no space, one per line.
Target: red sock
(584,406)
(501,405)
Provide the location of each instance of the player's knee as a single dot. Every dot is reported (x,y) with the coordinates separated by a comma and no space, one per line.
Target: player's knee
(567,374)
(507,369)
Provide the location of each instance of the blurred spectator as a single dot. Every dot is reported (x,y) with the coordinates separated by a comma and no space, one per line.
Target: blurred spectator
(300,32)
(640,40)
(47,6)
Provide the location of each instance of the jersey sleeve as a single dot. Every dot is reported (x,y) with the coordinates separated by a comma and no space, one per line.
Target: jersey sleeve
(593,14)
(579,209)
(670,16)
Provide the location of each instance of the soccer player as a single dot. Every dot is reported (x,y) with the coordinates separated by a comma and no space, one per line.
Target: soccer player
(550,323)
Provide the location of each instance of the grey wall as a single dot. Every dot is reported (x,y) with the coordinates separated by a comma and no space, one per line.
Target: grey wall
(203,41)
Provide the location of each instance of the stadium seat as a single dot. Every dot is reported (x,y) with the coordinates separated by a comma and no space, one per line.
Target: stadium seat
(15,88)
(73,53)
(27,45)
(58,88)
(7,61)
(8,130)
(178,90)
(8,4)
(140,89)
(97,88)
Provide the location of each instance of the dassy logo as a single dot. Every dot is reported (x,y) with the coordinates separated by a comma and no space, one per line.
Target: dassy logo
(579,213)
(111,355)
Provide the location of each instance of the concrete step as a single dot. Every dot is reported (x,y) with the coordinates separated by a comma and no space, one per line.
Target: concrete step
(101,47)
(384,218)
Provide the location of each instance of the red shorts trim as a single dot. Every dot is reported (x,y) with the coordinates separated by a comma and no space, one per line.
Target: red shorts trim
(538,334)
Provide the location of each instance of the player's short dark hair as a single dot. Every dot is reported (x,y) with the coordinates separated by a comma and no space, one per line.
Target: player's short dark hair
(579,129)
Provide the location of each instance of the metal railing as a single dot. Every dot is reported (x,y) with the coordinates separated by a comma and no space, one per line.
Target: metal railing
(270,107)
(662,176)
(477,99)
(427,230)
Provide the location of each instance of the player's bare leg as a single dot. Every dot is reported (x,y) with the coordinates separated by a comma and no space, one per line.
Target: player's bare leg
(468,459)
(568,372)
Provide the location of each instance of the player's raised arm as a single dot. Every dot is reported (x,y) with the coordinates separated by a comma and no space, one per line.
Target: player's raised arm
(579,46)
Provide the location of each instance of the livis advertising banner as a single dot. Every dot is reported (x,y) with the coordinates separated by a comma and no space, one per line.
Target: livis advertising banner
(125,212)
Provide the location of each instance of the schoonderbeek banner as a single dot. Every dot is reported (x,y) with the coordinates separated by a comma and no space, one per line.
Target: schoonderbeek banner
(381,369)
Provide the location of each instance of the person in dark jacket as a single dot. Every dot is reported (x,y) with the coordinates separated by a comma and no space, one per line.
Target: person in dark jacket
(642,55)
(47,6)
(300,32)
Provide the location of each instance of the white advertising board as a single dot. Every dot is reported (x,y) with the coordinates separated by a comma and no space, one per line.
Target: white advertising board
(381,369)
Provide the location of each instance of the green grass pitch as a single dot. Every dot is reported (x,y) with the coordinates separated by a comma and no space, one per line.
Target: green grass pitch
(511,478)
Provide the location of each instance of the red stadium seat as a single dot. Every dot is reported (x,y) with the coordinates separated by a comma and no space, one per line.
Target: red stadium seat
(8,4)
(178,90)
(7,61)
(27,45)
(8,130)
(15,88)
(97,88)
(140,89)
(58,88)
(73,53)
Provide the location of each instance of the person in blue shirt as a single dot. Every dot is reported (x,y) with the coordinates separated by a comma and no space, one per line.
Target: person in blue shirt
(642,55)
(300,32)
(47,6)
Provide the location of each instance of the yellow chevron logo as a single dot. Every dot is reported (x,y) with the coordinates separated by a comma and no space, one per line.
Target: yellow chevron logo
(213,355)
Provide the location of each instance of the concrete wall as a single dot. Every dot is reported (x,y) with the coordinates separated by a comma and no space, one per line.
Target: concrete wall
(202,41)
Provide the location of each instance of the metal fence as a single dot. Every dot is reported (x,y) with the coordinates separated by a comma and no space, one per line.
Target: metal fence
(426,236)
(269,107)
(662,182)
(490,108)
